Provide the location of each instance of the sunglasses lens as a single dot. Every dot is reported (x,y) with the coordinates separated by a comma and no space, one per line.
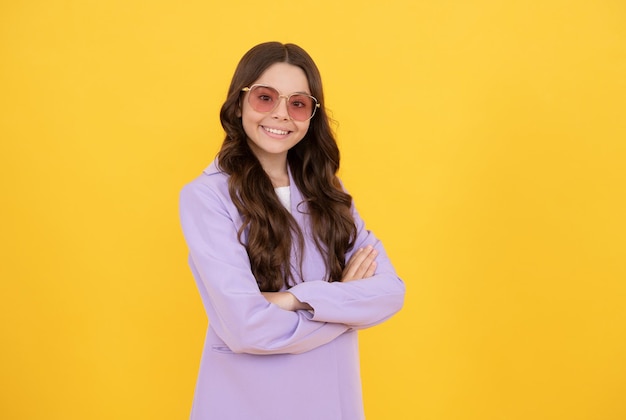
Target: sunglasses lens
(300,107)
(265,99)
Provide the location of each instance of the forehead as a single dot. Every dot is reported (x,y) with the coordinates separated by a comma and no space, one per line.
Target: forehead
(285,77)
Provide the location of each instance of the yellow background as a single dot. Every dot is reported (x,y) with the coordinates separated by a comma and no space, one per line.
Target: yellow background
(483,141)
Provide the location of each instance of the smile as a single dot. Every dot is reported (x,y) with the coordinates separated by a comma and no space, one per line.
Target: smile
(275,131)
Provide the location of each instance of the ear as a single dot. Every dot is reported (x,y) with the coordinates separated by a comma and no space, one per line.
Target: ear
(238,112)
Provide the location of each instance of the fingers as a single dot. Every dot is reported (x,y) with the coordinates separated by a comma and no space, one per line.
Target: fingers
(361,265)
(370,271)
(367,257)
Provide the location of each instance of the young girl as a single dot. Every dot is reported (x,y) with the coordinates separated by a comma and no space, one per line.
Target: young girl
(285,267)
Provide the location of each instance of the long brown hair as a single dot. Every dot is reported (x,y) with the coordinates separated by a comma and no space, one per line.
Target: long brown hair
(313,162)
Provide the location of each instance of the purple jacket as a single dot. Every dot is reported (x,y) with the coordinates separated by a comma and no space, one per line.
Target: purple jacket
(261,362)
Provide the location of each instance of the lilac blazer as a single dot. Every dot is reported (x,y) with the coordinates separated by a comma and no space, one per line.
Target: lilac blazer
(261,362)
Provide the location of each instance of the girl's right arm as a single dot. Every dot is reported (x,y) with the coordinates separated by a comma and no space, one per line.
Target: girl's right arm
(361,266)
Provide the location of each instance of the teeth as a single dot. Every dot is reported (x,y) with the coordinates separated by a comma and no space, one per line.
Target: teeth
(275,131)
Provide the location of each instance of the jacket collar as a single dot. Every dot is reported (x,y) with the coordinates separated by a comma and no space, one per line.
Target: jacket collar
(294,192)
(212,168)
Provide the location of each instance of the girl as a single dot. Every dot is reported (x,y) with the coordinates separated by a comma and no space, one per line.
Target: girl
(286,270)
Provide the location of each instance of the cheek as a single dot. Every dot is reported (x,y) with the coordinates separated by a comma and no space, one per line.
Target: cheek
(248,127)
(304,128)
(248,119)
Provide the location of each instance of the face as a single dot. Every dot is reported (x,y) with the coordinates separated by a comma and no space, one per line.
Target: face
(272,134)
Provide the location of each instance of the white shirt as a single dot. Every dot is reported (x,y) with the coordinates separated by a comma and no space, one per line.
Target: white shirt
(284,196)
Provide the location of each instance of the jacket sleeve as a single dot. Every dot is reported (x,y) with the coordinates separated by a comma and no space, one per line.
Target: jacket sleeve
(358,303)
(237,311)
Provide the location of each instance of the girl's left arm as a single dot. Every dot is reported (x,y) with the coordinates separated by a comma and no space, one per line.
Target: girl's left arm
(358,303)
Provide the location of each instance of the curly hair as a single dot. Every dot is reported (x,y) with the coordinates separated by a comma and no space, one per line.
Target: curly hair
(313,162)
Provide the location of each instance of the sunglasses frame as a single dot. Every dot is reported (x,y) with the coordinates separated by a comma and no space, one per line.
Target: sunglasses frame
(280,95)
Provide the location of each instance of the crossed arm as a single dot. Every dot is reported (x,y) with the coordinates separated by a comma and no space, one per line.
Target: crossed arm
(309,314)
(361,265)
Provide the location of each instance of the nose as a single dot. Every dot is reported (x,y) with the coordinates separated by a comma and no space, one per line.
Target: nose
(280,111)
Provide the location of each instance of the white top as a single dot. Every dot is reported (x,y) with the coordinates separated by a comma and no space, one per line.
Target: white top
(284,196)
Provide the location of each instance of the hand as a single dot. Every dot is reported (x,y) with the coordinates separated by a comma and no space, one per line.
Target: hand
(286,301)
(362,265)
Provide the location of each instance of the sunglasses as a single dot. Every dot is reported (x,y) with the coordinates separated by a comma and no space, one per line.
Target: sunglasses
(300,106)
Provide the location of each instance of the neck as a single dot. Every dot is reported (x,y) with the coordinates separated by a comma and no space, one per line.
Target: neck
(276,169)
